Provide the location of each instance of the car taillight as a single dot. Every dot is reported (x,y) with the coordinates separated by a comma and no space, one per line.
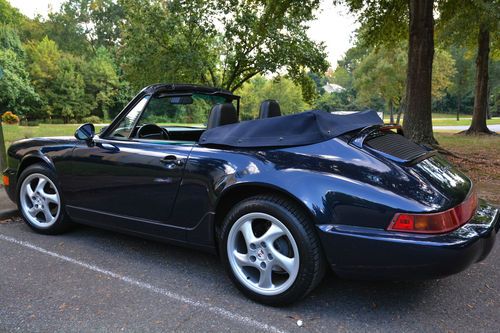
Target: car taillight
(434,223)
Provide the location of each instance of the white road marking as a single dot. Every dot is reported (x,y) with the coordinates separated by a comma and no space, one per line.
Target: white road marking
(162,291)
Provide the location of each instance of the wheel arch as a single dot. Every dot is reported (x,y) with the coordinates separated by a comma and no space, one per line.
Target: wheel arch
(31,159)
(238,192)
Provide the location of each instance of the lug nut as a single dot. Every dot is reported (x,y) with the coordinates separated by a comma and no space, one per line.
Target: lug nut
(263,265)
(270,256)
(252,246)
(252,258)
(263,244)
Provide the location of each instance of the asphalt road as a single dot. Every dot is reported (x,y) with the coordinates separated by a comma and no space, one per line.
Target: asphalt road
(92,280)
(494,128)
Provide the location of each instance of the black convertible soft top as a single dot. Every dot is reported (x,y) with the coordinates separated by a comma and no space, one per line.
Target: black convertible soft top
(294,130)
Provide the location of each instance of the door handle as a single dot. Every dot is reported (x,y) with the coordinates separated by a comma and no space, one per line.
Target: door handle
(108,146)
(172,160)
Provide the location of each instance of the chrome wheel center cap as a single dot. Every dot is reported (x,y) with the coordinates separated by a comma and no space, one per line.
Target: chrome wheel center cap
(261,254)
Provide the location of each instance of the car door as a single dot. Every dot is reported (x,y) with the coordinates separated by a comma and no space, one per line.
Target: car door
(129,179)
(120,180)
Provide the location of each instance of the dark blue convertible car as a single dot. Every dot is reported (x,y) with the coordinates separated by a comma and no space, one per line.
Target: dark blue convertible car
(279,198)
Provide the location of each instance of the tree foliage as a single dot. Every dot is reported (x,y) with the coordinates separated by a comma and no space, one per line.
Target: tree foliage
(221,43)
(72,88)
(383,22)
(472,23)
(8,14)
(17,93)
(381,75)
(258,89)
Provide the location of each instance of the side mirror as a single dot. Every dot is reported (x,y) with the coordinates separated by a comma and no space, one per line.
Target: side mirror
(85,132)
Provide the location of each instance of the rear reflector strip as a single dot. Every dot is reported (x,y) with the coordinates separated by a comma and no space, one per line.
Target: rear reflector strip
(435,223)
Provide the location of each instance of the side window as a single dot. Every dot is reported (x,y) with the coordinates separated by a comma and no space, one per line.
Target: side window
(178,111)
(126,125)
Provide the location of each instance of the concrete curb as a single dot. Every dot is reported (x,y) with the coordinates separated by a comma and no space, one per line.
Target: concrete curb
(8,213)
(7,207)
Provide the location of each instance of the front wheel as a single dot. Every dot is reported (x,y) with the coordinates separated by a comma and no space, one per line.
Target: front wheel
(270,250)
(40,202)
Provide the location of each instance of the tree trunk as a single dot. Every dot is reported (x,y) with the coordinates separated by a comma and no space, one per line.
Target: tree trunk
(459,105)
(488,113)
(398,115)
(391,111)
(418,117)
(478,124)
(3,154)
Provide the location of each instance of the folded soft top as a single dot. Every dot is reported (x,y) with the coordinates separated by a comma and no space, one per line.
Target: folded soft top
(295,130)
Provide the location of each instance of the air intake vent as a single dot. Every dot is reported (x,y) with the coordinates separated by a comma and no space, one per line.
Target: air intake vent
(396,145)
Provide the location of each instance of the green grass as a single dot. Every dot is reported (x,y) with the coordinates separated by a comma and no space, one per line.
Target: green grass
(15,132)
(469,142)
(445,119)
(461,122)
(452,116)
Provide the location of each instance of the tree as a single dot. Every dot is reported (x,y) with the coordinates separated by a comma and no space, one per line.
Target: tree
(57,78)
(9,40)
(86,25)
(101,83)
(474,22)
(220,43)
(462,80)
(17,93)
(167,42)
(258,89)
(68,90)
(442,73)
(43,68)
(387,22)
(381,74)
(418,118)
(9,14)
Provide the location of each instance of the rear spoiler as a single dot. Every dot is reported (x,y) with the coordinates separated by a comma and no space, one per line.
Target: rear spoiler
(390,127)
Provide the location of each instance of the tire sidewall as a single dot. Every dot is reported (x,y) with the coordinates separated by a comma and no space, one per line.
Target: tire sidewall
(61,224)
(300,286)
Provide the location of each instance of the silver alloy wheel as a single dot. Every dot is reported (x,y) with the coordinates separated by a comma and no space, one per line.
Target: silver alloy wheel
(263,254)
(40,201)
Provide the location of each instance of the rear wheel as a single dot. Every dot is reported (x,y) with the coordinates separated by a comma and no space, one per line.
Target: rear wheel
(270,250)
(40,201)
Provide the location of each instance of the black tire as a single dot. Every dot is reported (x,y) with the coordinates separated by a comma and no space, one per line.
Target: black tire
(62,222)
(311,264)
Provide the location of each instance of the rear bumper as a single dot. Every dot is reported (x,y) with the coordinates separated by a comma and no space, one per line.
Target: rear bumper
(370,253)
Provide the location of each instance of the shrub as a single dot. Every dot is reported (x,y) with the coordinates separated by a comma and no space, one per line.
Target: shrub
(10,118)
(33,123)
(56,121)
(92,119)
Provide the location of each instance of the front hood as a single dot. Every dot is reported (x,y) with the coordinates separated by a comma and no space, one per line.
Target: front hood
(22,147)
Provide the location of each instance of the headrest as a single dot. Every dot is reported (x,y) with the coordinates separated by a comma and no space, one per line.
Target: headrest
(222,114)
(269,108)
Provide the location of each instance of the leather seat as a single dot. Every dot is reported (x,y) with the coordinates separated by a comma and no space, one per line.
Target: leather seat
(222,114)
(269,108)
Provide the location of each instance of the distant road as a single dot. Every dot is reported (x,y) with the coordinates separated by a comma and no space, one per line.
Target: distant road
(495,128)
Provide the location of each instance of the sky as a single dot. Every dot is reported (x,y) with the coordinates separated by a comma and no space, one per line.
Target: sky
(333,25)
